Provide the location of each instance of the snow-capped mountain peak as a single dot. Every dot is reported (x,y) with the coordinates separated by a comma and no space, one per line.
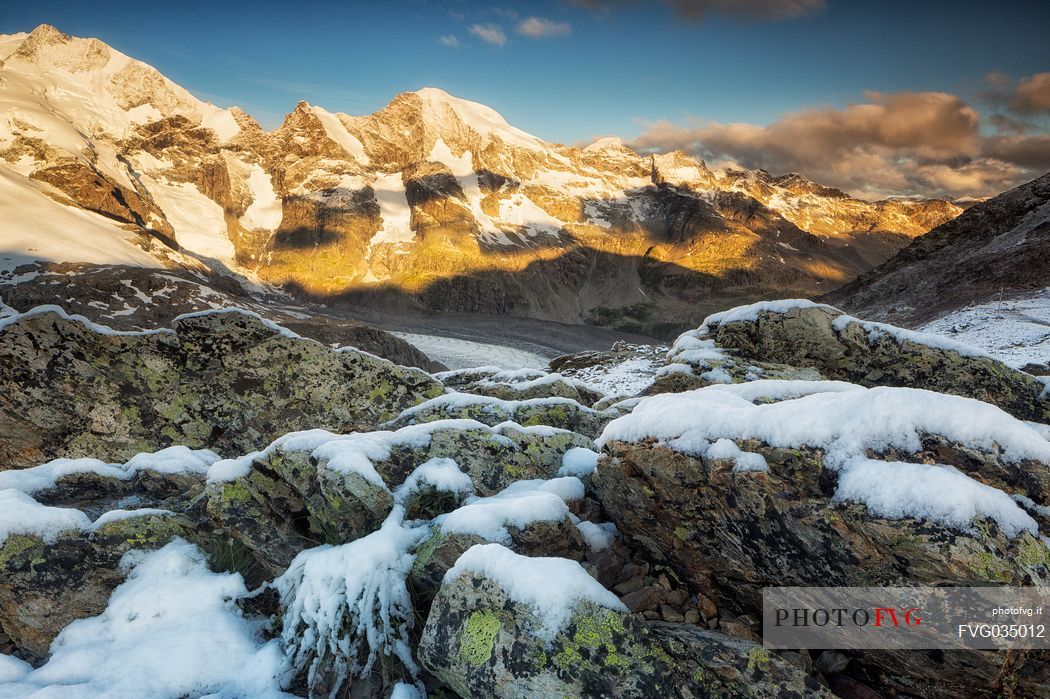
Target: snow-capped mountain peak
(430,188)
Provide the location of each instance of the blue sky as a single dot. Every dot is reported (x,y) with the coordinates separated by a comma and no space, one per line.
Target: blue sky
(611,68)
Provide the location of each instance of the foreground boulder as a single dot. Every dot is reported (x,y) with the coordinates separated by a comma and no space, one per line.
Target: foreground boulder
(498,627)
(890,486)
(228,381)
(823,339)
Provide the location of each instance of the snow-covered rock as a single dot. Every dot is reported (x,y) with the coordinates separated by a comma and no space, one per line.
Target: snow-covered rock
(506,625)
(788,338)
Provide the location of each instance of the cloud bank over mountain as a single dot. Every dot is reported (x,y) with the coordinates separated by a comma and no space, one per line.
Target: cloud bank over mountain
(933,143)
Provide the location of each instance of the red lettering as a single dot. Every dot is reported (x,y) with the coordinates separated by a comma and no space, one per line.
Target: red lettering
(880,611)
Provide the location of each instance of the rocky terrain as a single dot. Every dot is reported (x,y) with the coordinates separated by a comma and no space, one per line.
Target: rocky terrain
(215,481)
(223,507)
(982,277)
(432,203)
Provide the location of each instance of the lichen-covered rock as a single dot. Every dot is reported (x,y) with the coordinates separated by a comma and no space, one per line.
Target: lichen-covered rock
(838,346)
(624,370)
(862,487)
(46,585)
(482,641)
(562,413)
(227,381)
(314,487)
(125,297)
(493,457)
(520,384)
(288,501)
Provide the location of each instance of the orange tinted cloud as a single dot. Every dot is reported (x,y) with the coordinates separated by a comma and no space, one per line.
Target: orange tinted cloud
(904,143)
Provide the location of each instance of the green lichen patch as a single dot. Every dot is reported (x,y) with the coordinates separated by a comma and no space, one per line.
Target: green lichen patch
(18,547)
(479,636)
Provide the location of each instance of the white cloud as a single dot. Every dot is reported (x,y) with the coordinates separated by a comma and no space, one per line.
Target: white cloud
(491,33)
(448,40)
(540,28)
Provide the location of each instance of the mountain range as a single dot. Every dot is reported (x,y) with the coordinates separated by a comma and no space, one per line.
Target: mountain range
(432,203)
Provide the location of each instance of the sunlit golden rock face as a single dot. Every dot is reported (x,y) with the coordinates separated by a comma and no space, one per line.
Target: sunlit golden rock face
(432,201)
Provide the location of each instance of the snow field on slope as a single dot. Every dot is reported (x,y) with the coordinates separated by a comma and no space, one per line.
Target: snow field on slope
(199,223)
(1014,331)
(393,210)
(38,228)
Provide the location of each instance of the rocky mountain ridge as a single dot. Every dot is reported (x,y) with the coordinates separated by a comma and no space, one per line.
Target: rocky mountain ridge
(433,202)
(982,277)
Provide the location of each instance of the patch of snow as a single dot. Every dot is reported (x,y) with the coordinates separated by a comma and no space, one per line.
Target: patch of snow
(337,131)
(603,144)
(578,462)
(221,121)
(743,460)
(172,629)
(527,580)
(265,210)
(175,459)
(598,536)
(21,514)
(769,390)
(459,401)
(519,210)
(462,168)
(12,669)
(520,504)
(199,223)
(523,382)
(1040,428)
(353,452)
(121,515)
(485,121)
(403,690)
(717,375)
(896,490)
(627,377)
(441,474)
(393,209)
